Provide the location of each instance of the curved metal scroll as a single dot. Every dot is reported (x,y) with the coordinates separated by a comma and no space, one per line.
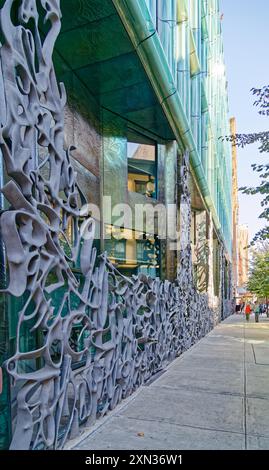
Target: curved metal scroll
(109,333)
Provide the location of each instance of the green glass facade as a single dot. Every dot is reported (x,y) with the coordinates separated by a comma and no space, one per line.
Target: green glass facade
(180,44)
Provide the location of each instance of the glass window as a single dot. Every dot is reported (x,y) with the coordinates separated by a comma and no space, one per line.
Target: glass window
(142,165)
(134,252)
(141,187)
(116,249)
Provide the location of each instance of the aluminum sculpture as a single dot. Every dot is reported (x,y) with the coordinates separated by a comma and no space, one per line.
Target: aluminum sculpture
(110,333)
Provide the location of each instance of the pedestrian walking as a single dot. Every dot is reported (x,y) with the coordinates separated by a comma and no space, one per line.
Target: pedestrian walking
(247,311)
(257,312)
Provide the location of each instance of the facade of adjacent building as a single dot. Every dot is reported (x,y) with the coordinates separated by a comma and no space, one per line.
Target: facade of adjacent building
(240,250)
(243,253)
(235,210)
(86,320)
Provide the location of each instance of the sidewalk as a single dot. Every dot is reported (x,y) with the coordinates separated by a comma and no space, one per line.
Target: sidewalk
(215,396)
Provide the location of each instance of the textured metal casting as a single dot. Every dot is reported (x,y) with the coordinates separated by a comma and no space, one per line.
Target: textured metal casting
(77,358)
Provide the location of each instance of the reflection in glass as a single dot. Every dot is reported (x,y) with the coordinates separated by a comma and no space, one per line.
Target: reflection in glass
(133,252)
(142,164)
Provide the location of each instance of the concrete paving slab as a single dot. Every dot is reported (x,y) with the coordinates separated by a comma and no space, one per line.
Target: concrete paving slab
(203,377)
(189,408)
(257,443)
(249,357)
(257,381)
(122,434)
(233,362)
(234,357)
(257,417)
(258,331)
(261,354)
(221,339)
(230,332)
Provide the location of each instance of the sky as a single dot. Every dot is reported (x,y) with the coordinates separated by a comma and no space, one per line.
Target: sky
(246,37)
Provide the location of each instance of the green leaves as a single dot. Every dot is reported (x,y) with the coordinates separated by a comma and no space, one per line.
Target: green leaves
(258,282)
